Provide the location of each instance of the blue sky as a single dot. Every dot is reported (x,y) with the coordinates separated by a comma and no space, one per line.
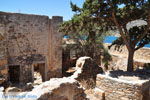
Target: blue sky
(40,7)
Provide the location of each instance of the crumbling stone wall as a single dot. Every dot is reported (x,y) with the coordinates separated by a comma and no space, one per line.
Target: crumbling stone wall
(31,39)
(86,72)
(117,89)
(55,49)
(77,87)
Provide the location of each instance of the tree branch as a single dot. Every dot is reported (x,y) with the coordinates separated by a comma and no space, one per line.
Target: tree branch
(138,47)
(120,31)
(140,37)
(119,27)
(146,30)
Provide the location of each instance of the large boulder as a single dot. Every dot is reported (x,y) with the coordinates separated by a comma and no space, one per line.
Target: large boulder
(86,72)
(58,89)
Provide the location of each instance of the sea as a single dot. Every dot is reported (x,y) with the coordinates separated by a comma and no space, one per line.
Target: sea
(110,39)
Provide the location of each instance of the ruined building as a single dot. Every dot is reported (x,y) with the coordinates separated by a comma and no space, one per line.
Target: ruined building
(29,41)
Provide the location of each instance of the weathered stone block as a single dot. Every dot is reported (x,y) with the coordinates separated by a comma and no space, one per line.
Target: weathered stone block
(58,89)
(86,72)
(120,89)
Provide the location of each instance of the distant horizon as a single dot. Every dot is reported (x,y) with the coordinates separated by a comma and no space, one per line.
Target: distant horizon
(40,7)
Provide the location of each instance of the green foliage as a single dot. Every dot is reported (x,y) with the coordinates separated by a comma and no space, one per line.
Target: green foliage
(124,11)
(134,34)
(100,16)
(118,43)
(87,30)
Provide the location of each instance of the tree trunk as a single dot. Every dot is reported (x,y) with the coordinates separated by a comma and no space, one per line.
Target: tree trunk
(130,66)
(91,42)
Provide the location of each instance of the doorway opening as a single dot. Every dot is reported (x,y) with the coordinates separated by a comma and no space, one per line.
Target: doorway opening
(39,73)
(14,73)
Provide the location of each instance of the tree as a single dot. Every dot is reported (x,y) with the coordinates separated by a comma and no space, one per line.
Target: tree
(134,33)
(124,14)
(115,15)
(87,30)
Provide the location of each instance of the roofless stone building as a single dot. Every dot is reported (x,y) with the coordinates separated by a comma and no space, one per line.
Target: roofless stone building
(30,41)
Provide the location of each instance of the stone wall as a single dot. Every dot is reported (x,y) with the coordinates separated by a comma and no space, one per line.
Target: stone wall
(81,85)
(118,89)
(55,48)
(32,39)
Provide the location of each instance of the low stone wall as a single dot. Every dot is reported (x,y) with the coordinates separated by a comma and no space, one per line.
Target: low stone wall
(118,89)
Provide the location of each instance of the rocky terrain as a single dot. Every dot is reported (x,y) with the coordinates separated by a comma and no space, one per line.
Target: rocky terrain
(119,58)
(66,88)
(88,82)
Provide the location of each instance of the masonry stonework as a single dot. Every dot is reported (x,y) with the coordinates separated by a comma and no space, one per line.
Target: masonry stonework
(118,89)
(32,39)
(55,52)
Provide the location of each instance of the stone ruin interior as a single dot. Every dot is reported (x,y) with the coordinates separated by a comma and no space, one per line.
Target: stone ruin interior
(31,56)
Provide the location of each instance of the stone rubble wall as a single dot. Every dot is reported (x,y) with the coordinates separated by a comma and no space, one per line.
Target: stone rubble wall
(73,87)
(81,86)
(25,34)
(28,36)
(86,72)
(55,48)
(115,89)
